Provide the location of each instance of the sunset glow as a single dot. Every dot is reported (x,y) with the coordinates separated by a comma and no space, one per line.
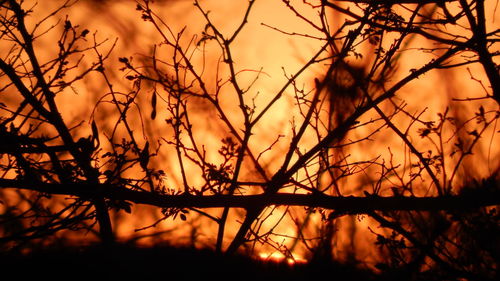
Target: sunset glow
(251,126)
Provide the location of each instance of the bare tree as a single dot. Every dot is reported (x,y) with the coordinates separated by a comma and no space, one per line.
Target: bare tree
(192,137)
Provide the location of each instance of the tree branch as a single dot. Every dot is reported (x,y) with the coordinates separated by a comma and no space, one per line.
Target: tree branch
(489,195)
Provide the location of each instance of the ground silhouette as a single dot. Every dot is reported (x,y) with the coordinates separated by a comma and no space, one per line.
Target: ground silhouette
(124,262)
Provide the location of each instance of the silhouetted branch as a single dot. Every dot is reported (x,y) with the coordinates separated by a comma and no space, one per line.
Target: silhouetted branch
(350,204)
(353,120)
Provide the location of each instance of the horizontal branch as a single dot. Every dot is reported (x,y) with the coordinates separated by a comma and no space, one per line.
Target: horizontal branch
(481,197)
(10,148)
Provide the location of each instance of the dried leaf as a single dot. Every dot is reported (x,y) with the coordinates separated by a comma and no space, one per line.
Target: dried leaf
(95,132)
(67,25)
(153,105)
(84,32)
(144,156)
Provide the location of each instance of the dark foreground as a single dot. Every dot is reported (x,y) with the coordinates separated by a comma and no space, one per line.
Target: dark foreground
(167,263)
(163,263)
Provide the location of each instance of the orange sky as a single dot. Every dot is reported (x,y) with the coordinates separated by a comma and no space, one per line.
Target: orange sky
(258,47)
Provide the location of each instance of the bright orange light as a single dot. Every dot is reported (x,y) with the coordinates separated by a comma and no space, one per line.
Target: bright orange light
(265,48)
(280,257)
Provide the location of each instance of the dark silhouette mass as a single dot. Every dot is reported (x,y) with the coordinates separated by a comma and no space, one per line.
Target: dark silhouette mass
(169,152)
